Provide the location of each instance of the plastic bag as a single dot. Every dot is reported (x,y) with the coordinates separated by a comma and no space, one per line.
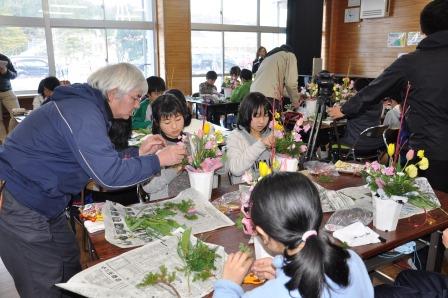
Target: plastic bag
(315,167)
(344,217)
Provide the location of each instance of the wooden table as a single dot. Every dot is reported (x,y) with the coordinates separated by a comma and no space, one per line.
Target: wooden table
(216,108)
(408,229)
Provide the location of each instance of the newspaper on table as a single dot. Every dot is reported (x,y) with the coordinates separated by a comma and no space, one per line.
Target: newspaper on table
(119,277)
(118,233)
(361,196)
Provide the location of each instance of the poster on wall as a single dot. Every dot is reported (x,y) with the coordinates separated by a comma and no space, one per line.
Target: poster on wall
(396,39)
(414,38)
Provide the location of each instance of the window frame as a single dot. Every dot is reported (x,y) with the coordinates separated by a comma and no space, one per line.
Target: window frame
(222,28)
(48,23)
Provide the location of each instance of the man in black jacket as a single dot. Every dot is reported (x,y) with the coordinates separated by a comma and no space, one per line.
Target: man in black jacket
(426,109)
(7,97)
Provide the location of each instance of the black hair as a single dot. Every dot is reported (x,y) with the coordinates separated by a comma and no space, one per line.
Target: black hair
(246,74)
(155,84)
(258,52)
(235,70)
(120,132)
(211,75)
(50,83)
(165,106)
(181,97)
(249,108)
(434,17)
(286,205)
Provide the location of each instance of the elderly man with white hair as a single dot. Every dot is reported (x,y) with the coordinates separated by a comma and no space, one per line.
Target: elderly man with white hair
(51,155)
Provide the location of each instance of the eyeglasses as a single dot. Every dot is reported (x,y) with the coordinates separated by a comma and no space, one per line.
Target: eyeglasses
(135,98)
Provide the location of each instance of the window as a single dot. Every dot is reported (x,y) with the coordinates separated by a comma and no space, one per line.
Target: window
(226,33)
(83,35)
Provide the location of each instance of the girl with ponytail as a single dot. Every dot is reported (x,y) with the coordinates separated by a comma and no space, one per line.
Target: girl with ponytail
(287,214)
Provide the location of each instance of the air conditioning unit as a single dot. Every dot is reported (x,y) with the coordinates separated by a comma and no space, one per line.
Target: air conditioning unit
(374,9)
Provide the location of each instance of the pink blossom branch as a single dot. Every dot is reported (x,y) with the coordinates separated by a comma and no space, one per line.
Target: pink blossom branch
(397,148)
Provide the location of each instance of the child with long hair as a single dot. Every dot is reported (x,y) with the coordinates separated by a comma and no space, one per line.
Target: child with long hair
(287,214)
(249,143)
(170,116)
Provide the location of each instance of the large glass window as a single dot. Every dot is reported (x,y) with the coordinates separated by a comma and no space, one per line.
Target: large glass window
(26,48)
(237,12)
(78,36)
(239,49)
(205,11)
(273,13)
(227,33)
(272,40)
(122,10)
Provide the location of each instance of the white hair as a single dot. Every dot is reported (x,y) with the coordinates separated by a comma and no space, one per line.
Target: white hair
(124,77)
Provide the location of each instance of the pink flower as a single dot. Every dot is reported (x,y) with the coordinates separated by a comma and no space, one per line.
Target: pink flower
(389,171)
(299,122)
(200,133)
(379,182)
(278,134)
(209,145)
(410,155)
(297,128)
(303,148)
(297,137)
(247,177)
(375,166)
(306,128)
(271,124)
(211,164)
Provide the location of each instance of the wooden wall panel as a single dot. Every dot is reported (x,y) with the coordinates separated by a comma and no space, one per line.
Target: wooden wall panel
(364,44)
(174,43)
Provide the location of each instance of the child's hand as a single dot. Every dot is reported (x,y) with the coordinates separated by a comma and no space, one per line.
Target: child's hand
(237,266)
(263,268)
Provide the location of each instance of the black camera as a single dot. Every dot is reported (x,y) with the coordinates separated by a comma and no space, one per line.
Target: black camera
(325,82)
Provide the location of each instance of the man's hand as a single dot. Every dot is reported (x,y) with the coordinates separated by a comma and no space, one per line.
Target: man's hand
(335,112)
(3,69)
(171,155)
(263,268)
(236,267)
(151,144)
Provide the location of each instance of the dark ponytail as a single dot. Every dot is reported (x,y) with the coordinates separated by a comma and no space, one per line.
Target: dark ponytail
(285,206)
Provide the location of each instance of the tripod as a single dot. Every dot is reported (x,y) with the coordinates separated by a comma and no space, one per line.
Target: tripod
(321,105)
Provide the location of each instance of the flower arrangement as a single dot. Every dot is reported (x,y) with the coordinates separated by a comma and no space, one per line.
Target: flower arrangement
(344,91)
(227,82)
(288,143)
(388,181)
(205,154)
(310,91)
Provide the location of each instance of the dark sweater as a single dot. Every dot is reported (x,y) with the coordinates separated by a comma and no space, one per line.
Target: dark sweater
(11,73)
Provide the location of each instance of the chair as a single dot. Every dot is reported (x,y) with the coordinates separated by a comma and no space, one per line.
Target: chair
(354,152)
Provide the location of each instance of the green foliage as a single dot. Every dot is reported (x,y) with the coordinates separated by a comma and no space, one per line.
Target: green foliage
(198,259)
(162,277)
(287,145)
(185,206)
(244,248)
(239,222)
(155,225)
(144,131)
(325,179)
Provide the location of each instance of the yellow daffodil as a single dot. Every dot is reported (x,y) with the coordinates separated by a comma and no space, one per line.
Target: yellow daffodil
(277,115)
(206,128)
(423,164)
(411,170)
(219,137)
(391,149)
(278,126)
(421,153)
(276,164)
(264,169)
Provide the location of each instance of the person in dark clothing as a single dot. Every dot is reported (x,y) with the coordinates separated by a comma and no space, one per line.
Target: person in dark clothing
(369,116)
(426,108)
(261,53)
(7,97)
(45,162)
(416,283)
